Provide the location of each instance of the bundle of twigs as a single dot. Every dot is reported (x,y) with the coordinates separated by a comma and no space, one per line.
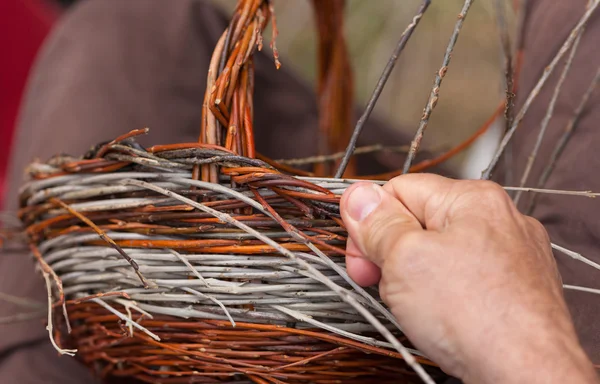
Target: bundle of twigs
(207,262)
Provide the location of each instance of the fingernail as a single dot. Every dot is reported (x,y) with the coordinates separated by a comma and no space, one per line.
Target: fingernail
(363,200)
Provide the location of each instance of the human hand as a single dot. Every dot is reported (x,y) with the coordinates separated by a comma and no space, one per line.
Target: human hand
(472,281)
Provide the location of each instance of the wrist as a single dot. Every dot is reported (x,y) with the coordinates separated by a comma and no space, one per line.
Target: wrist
(548,354)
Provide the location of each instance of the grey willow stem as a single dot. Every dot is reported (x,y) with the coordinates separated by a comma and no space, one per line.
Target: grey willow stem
(518,55)
(576,256)
(379,87)
(500,7)
(338,155)
(564,139)
(547,117)
(536,90)
(435,91)
(589,194)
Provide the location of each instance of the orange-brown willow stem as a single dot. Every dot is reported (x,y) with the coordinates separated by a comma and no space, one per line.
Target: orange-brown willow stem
(335,83)
(227,108)
(425,164)
(429,163)
(219,328)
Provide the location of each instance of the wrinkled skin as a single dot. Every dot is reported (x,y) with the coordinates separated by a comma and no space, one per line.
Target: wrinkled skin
(472,281)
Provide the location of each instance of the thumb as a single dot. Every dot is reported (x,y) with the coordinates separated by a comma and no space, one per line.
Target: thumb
(376,220)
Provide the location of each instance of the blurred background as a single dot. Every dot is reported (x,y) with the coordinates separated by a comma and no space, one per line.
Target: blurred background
(470,93)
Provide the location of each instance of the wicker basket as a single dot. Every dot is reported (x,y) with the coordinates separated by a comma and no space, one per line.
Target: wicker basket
(246,280)
(206,262)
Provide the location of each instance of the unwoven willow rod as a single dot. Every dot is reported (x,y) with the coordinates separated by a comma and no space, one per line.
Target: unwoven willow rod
(549,113)
(379,87)
(487,173)
(521,8)
(500,8)
(338,155)
(565,137)
(435,91)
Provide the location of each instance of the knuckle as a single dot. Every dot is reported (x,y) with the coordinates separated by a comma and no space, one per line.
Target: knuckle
(490,194)
(492,190)
(480,197)
(537,228)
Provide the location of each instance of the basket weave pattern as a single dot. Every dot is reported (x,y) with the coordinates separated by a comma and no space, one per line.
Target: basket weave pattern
(207,262)
(219,300)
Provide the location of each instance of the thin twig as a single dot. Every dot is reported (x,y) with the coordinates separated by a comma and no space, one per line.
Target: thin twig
(214,300)
(187,263)
(435,91)
(97,296)
(125,318)
(428,163)
(49,327)
(133,305)
(521,8)
(274,34)
(130,317)
(536,90)
(379,88)
(564,139)
(582,289)
(311,358)
(104,237)
(576,256)
(343,293)
(520,35)
(548,116)
(500,6)
(130,134)
(50,272)
(554,191)
(335,156)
